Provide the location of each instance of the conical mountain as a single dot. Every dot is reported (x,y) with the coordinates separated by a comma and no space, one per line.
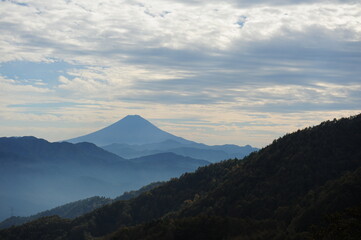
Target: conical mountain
(133,129)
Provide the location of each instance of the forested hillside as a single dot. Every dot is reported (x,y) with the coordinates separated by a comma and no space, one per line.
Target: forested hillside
(305,185)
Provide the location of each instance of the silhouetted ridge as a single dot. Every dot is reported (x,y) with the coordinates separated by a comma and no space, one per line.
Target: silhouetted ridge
(191,149)
(169,160)
(38,149)
(36,175)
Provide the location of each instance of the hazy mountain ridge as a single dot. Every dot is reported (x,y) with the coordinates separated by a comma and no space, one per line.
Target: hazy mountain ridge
(36,149)
(167,160)
(195,150)
(69,210)
(77,208)
(37,175)
(276,193)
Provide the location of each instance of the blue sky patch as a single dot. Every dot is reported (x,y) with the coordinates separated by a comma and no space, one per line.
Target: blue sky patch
(27,72)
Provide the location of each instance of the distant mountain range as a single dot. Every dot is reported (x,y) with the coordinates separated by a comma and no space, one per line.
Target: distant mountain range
(305,185)
(134,137)
(194,150)
(36,175)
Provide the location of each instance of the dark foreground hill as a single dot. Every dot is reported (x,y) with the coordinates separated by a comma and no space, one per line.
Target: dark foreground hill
(305,185)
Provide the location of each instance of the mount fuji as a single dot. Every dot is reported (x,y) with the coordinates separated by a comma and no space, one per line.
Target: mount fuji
(134,137)
(133,129)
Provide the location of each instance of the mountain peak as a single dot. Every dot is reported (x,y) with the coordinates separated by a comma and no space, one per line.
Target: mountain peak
(132,129)
(133,118)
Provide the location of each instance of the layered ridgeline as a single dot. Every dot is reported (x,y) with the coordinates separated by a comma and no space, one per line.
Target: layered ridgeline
(36,175)
(284,191)
(134,136)
(77,208)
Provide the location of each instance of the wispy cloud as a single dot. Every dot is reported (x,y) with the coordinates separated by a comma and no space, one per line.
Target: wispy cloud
(205,60)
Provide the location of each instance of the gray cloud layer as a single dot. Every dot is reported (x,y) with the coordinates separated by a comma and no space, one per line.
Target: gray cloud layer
(271,57)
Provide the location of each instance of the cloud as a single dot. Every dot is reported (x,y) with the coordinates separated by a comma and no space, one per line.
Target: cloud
(252,60)
(16,87)
(248,3)
(84,32)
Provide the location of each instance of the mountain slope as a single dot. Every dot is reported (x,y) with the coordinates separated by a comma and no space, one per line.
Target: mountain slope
(36,175)
(39,150)
(169,161)
(194,150)
(69,210)
(77,208)
(276,193)
(132,129)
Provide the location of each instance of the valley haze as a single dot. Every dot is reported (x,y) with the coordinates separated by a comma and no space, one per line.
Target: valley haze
(37,175)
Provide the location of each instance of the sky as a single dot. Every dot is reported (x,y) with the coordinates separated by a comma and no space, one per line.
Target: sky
(216,72)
